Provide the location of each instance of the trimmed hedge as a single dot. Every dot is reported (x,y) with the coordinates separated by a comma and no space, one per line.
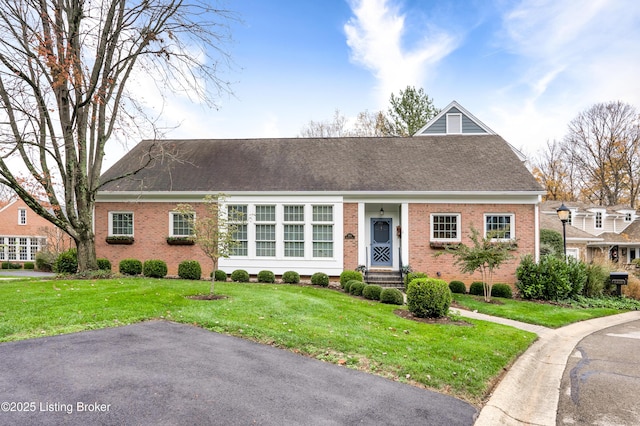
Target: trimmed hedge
(476,288)
(190,270)
(372,292)
(29,265)
(356,288)
(412,276)
(501,290)
(347,276)
(104,264)
(154,268)
(457,287)
(392,296)
(428,297)
(320,278)
(220,275)
(291,277)
(130,267)
(348,284)
(266,277)
(240,276)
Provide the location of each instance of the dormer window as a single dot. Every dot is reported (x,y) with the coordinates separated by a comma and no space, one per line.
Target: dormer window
(598,220)
(454,123)
(628,217)
(22,216)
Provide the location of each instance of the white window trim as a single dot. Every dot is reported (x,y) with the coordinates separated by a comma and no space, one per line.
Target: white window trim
(133,223)
(446,240)
(20,216)
(297,222)
(333,230)
(171,214)
(595,219)
(453,114)
(512,229)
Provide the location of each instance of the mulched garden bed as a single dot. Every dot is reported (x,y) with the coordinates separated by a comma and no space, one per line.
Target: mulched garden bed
(403,313)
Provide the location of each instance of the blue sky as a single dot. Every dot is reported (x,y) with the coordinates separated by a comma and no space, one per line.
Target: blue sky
(524,68)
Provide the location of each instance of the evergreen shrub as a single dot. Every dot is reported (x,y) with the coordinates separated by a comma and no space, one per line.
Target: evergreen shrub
(240,276)
(190,270)
(154,268)
(320,278)
(130,267)
(291,277)
(428,297)
(266,277)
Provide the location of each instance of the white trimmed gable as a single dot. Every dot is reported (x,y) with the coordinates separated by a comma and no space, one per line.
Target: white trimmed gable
(454,119)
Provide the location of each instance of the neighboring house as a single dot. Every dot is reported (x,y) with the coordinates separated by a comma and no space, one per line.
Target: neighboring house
(22,232)
(328,204)
(597,231)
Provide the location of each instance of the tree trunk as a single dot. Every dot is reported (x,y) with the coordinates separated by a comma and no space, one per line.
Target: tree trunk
(213,274)
(86,246)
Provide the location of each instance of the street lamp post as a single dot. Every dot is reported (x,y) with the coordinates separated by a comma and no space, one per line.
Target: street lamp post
(563,215)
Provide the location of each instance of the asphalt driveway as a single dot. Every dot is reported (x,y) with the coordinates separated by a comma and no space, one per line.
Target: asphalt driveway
(163,373)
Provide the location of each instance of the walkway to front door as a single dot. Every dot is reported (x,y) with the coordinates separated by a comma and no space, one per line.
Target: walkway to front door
(381,242)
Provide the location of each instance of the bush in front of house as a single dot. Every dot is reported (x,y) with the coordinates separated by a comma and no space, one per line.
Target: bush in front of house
(347,276)
(45,261)
(67,262)
(412,276)
(356,288)
(320,278)
(372,292)
(29,265)
(476,288)
(190,270)
(104,264)
(428,297)
(130,267)
(348,284)
(220,275)
(291,277)
(266,277)
(501,290)
(391,296)
(154,268)
(240,276)
(457,287)
(11,265)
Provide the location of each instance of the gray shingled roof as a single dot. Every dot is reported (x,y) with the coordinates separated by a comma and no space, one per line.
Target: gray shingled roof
(436,163)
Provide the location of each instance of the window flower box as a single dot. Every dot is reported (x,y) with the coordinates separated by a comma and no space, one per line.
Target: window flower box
(180,241)
(441,245)
(119,239)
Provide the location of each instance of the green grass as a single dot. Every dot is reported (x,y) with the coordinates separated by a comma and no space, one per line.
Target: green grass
(548,315)
(318,322)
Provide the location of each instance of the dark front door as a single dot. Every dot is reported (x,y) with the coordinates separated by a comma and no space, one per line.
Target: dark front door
(381,242)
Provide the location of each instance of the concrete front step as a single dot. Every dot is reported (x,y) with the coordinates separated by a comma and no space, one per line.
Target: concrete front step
(385,278)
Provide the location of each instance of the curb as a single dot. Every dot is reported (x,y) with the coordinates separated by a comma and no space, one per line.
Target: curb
(529,393)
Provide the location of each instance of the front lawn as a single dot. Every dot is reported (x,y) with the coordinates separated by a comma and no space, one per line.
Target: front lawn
(545,314)
(463,360)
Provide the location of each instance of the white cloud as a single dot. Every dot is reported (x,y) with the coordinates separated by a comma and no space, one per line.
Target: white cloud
(375,36)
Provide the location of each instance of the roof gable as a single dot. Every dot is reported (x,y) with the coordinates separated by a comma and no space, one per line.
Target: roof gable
(367,164)
(454,119)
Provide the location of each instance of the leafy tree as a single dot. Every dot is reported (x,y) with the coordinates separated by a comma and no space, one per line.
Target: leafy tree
(485,255)
(409,111)
(65,74)
(557,175)
(215,229)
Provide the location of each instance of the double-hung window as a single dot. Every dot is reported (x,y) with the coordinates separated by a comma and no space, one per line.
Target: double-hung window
(181,224)
(598,220)
(499,226)
(445,227)
(237,218)
(293,231)
(265,230)
(121,223)
(322,223)
(22,216)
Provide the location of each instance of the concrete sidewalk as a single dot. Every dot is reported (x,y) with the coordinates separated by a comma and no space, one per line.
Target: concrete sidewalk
(529,392)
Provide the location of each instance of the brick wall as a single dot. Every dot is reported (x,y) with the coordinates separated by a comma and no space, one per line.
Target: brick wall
(421,255)
(350,215)
(150,229)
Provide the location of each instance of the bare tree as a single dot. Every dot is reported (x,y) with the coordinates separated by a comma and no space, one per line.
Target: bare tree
(603,144)
(554,173)
(65,68)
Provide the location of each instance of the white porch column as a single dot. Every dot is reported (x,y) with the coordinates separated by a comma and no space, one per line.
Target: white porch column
(362,244)
(404,222)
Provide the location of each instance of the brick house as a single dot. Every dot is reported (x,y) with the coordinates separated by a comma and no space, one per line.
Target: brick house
(23,233)
(328,204)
